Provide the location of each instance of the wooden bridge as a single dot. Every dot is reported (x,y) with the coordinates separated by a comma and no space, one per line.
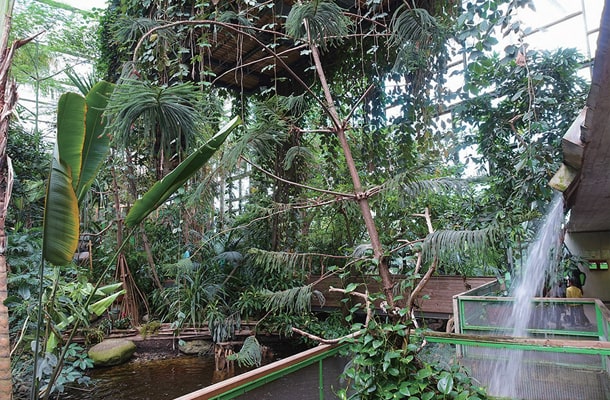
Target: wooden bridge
(435,301)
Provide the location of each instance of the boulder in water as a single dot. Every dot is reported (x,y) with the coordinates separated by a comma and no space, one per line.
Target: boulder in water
(196,346)
(112,352)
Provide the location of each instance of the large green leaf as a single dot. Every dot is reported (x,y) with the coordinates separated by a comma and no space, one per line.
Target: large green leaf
(61,220)
(100,306)
(164,188)
(79,153)
(96,144)
(71,128)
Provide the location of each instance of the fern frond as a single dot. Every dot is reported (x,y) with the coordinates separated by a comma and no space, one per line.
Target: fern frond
(304,154)
(413,29)
(295,300)
(327,24)
(296,105)
(412,187)
(179,268)
(448,245)
(362,249)
(279,262)
(250,354)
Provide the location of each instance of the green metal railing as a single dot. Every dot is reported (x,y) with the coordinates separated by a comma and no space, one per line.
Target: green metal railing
(481,321)
(489,314)
(250,381)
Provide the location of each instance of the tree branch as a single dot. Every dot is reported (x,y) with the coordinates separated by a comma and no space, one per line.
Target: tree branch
(338,194)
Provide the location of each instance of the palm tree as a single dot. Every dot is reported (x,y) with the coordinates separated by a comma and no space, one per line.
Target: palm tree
(165,117)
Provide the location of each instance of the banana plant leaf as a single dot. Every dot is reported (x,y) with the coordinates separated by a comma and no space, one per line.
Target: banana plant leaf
(61,219)
(71,129)
(102,305)
(54,338)
(108,289)
(79,152)
(164,188)
(96,144)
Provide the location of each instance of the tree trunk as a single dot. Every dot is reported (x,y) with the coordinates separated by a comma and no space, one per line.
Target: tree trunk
(360,196)
(8,96)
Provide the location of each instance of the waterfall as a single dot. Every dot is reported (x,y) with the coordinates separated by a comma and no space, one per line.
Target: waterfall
(542,261)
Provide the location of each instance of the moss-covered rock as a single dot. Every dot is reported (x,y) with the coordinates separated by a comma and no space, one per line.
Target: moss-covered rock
(196,346)
(112,352)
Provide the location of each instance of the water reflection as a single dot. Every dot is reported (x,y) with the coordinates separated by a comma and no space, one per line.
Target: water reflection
(150,380)
(162,379)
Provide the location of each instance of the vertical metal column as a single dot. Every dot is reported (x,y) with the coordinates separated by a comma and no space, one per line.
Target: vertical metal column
(321,379)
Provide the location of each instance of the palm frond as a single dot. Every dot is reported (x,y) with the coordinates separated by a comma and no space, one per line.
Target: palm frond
(168,109)
(450,245)
(409,185)
(412,25)
(250,354)
(327,24)
(295,104)
(131,29)
(84,84)
(295,300)
(414,29)
(262,135)
(279,262)
(304,154)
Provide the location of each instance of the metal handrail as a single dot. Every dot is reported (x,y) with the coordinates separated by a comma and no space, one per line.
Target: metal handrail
(243,383)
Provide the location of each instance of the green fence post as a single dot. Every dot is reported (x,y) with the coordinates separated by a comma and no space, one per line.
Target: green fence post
(321,379)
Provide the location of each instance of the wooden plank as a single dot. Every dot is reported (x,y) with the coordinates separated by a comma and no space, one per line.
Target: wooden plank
(439,291)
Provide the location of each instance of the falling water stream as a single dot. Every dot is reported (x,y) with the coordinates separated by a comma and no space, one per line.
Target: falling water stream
(542,261)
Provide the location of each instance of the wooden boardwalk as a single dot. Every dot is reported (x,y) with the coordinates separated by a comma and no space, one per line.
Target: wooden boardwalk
(434,301)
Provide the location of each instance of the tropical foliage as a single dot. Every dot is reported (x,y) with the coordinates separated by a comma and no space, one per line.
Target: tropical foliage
(348,163)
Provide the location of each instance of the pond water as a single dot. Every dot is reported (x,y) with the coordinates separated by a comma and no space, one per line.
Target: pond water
(150,380)
(160,379)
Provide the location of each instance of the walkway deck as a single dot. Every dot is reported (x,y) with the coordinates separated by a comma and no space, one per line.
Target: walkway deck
(434,301)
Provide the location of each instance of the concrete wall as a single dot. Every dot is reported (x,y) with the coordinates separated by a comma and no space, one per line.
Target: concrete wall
(593,246)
